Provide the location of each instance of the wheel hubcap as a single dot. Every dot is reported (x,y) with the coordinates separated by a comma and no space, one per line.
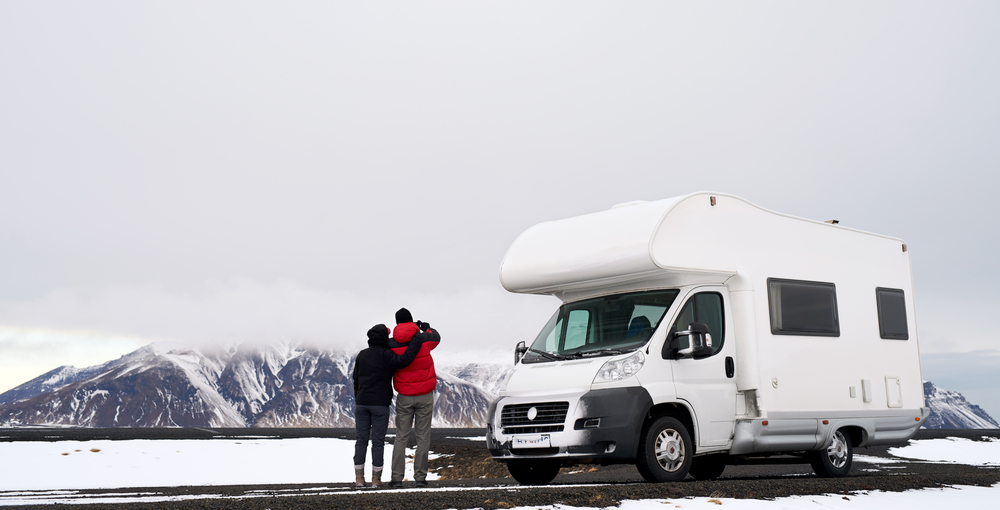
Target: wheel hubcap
(837,452)
(669,450)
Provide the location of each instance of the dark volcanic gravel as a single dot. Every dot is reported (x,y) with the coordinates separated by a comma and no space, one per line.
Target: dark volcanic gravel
(470,479)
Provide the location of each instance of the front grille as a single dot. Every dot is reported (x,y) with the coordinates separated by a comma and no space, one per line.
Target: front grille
(533,430)
(550,418)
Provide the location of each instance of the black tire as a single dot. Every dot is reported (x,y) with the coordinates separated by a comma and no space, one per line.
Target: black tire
(665,450)
(533,472)
(708,467)
(835,460)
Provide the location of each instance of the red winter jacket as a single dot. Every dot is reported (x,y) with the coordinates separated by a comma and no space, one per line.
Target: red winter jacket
(419,377)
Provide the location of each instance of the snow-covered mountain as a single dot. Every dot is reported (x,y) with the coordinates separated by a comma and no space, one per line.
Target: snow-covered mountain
(491,377)
(64,375)
(950,410)
(272,385)
(279,385)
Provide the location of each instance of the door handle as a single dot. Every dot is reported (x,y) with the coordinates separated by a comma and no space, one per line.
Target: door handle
(730,367)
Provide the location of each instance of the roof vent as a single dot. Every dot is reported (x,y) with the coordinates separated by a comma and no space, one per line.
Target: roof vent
(630,204)
(832,222)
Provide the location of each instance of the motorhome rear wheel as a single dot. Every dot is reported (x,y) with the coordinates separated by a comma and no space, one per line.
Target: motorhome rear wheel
(836,460)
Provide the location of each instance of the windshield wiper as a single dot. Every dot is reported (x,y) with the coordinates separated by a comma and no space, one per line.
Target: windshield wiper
(549,355)
(603,352)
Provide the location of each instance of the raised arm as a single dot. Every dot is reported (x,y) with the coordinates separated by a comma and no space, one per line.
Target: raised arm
(397,361)
(428,335)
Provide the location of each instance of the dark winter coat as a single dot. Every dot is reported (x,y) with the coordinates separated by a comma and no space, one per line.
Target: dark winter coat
(374,366)
(419,378)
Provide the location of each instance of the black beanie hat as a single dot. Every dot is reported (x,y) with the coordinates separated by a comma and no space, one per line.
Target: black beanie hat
(378,335)
(403,315)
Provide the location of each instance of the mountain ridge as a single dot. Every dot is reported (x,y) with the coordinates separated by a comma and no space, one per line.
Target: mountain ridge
(281,385)
(249,385)
(951,410)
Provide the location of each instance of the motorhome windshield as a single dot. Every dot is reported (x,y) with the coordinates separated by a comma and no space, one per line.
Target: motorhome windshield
(602,326)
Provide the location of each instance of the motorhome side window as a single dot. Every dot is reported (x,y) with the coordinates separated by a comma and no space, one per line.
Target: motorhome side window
(706,308)
(601,326)
(891,314)
(803,308)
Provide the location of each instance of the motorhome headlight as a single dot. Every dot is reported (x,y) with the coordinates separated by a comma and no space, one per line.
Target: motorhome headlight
(624,368)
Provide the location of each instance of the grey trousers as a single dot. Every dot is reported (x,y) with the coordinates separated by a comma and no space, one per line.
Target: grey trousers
(415,412)
(370,421)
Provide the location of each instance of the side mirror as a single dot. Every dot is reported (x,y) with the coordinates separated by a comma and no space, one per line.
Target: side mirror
(699,341)
(519,351)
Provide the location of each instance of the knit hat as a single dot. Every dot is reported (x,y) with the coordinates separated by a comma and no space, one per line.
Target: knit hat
(403,315)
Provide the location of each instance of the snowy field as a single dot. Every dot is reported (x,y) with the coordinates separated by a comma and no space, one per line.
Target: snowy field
(171,463)
(43,473)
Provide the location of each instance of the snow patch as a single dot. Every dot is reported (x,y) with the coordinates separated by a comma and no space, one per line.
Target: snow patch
(954,450)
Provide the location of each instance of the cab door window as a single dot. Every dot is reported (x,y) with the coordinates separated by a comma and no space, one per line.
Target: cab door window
(705,307)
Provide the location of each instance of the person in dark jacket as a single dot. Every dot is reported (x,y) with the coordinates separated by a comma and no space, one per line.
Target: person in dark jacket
(372,375)
(415,402)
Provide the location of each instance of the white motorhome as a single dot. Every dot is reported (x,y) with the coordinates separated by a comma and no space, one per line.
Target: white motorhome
(702,331)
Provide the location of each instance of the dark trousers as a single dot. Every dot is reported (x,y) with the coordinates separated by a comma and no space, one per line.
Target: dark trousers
(370,422)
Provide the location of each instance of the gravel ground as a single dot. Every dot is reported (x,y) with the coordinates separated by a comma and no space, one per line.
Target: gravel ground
(470,479)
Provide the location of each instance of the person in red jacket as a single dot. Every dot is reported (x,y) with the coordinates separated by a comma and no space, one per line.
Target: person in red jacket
(415,386)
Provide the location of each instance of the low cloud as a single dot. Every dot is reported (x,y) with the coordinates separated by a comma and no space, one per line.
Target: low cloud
(84,327)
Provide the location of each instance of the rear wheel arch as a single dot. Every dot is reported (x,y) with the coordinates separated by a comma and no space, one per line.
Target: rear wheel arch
(857,433)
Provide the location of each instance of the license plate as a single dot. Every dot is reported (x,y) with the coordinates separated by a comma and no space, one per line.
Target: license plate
(531,442)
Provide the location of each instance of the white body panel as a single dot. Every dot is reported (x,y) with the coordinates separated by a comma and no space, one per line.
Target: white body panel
(683,241)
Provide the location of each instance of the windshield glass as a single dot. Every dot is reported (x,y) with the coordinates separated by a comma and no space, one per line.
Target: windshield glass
(601,326)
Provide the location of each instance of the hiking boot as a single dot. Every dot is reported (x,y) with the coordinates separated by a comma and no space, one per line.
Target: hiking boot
(359,478)
(421,483)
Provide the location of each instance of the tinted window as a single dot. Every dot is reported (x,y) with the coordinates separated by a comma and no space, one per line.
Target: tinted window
(705,308)
(554,330)
(598,325)
(803,308)
(577,328)
(891,314)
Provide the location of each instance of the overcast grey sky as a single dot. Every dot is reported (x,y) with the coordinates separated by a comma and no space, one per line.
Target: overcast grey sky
(227,171)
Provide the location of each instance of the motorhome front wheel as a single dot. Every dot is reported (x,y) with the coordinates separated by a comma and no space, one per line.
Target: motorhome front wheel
(665,451)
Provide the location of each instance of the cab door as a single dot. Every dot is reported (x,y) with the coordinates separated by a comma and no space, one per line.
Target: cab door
(706,380)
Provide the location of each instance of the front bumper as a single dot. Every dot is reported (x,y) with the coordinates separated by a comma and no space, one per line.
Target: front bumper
(599,425)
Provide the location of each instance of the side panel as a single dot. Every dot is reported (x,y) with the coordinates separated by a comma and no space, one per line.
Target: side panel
(803,373)
(790,432)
